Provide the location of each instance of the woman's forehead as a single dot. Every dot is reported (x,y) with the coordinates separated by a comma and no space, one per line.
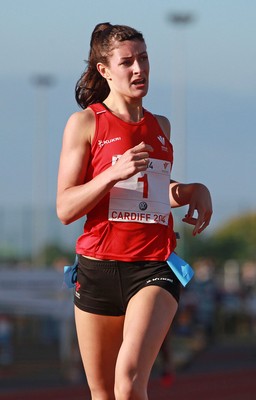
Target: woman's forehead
(129,47)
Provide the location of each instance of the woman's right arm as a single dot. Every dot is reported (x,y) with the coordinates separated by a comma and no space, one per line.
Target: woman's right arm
(74,197)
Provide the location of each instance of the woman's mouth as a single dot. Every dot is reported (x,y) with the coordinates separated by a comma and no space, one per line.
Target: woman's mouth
(139,82)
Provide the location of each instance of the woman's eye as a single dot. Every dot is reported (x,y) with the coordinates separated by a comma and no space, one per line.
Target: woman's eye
(126,62)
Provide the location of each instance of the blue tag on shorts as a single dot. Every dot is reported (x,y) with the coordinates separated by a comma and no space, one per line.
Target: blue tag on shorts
(70,274)
(181,268)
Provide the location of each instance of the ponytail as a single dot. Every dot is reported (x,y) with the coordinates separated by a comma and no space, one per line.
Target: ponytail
(91,88)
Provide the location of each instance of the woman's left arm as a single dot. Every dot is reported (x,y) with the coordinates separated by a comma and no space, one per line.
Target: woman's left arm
(198,198)
(196,195)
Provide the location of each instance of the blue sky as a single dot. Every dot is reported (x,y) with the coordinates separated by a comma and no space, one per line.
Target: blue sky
(203,78)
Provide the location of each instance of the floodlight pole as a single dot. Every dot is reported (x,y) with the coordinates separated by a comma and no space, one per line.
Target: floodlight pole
(180,20)
(42,83)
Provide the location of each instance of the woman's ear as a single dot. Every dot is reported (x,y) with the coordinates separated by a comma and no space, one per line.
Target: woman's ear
(104,71)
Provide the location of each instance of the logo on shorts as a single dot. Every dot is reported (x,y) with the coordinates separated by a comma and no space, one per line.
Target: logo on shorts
(77,290)
(159,279)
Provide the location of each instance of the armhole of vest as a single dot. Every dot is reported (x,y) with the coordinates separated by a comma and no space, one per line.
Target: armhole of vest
(152,117)
(96,116)
(158,124)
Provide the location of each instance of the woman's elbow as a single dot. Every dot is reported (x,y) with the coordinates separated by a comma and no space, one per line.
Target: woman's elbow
(63,219)
(62,215)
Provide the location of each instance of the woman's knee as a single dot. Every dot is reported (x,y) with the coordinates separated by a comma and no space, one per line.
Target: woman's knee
(130,389)
(102,394)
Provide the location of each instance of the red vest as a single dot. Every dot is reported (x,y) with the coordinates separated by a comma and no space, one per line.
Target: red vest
(133,222)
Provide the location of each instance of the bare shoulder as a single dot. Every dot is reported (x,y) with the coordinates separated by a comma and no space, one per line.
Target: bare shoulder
(80,126)
(164,124)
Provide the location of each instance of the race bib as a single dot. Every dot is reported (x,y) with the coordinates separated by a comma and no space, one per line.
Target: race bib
(144,197)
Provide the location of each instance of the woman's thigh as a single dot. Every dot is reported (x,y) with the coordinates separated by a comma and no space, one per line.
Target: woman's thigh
(148,318)
(99,338)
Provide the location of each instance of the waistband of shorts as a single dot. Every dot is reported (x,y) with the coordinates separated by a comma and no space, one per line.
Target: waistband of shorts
(83,260)
(86,261)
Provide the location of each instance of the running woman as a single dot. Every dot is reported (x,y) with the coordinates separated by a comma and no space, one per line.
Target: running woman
(115,167)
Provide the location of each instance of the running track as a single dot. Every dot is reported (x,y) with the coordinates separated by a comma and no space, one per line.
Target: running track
(222,372)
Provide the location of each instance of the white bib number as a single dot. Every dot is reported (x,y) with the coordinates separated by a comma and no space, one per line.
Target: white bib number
(144,197)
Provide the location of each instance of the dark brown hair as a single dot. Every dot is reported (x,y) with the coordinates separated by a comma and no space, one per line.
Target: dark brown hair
(92,87)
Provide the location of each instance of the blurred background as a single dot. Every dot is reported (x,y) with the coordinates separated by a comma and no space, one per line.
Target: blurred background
(203,78)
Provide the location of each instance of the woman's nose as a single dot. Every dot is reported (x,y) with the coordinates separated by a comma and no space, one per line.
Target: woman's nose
(137,66)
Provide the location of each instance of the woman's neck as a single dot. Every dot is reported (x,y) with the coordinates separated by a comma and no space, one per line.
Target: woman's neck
(126,112)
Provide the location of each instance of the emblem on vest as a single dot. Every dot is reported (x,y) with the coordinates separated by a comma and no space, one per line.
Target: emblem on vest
(102,143)
(162,141)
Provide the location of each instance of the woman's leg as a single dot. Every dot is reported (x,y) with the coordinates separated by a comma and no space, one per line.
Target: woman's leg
(99,338)
(148,318)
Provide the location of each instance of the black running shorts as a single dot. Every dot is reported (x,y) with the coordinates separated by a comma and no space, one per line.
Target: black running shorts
(105,287)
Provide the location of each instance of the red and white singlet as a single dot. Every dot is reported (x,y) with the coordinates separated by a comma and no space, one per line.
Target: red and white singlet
(133,222)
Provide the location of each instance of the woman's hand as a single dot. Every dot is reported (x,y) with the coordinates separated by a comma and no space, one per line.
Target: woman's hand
(201,202)
(132,161)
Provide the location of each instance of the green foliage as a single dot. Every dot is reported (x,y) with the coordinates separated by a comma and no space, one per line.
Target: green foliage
(236,239)
(197,246)
(51,253)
